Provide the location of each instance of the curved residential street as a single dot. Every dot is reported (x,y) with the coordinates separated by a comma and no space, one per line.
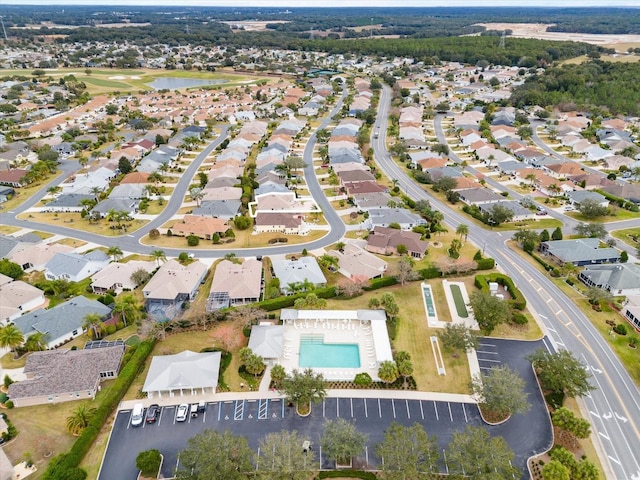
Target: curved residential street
(131,243)
(613,408)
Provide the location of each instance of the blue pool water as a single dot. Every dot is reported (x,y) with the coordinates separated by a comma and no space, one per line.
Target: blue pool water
(314,353)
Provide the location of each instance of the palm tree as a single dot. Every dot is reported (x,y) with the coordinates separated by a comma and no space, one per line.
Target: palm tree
(307,285)
(53,190)
(36,342)
(388,371)
(79,419)
(11,337)
(196,194)
(155,178)
(532,178)
(96,191)
(115,252)
(93,322)
(554,189)
(159,256)
(126,308)
(463,230)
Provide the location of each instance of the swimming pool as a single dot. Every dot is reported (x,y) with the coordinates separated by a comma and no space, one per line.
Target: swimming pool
(314,353)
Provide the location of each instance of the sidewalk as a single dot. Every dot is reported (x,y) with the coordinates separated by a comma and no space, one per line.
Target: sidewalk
(271,394)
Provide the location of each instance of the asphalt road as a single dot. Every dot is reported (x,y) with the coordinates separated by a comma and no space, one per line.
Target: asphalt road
(614,407)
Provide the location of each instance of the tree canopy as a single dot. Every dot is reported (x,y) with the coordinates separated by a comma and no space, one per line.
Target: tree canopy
(407,452)
(561,372)
(230,459)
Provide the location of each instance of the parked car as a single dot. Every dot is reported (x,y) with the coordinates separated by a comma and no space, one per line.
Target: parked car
(137,415)
(541,212)
(182,412)
(568,208)
(193,410)
(153,412)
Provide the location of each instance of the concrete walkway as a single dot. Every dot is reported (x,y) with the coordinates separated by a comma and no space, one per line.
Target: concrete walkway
(270,394)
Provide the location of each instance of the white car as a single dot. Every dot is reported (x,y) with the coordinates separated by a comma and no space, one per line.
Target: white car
(181,413)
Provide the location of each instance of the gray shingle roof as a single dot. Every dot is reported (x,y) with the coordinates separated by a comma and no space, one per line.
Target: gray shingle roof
(61,319)
(184,370)
(580,250)
(64,371)
(619,277)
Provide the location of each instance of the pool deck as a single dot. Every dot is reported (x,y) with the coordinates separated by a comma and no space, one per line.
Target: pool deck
(333,331)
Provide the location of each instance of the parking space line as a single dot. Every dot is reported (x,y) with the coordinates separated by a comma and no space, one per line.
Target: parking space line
(337,408)
(323,404)
(488,353)
(487,345)
(282,409)
(366,414)
(421,410)
(393,407)
(238,413)
(487,360)
(351,400)
(263,408)
(464,410)
(436,410)
(160,416)
(450,414)
(379,409)
(408,413)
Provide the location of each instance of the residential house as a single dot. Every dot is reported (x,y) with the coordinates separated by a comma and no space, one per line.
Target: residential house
(64,322)
(172,286)
(235,284)
(295,274)
(579,252)
(385,241)
(383,217)
(17,298)
(519,212)
(12,177)
(36,255)
(619,279)
(367,201)
(479,196)
(578,196)
(68,202)
(65,375)
(225,209)
(287,223)
(75,267)
(357,264)
(116,277)
(201,226)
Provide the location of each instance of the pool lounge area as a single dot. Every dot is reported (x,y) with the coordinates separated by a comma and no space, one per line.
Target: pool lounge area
(337,343)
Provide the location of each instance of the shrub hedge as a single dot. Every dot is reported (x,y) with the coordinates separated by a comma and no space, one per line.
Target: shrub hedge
(347,474)
(65,466)
(517,299)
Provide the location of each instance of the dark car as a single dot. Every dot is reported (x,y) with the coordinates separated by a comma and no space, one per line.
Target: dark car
(153,412)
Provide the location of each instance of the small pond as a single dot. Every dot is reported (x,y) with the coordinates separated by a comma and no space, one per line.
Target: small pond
(174,83)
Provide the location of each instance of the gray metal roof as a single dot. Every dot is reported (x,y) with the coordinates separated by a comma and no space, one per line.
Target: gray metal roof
(621,276)
(267,340)
(184,370)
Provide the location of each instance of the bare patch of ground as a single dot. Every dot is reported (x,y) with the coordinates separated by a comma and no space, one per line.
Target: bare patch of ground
(539,31)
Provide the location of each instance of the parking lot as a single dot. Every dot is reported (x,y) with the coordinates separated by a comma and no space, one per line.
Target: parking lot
(254,419)
(526,434)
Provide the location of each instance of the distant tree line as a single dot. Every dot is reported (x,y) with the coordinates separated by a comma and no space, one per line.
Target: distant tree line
(604,85)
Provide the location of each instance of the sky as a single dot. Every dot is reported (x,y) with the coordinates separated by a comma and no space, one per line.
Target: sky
(339,3)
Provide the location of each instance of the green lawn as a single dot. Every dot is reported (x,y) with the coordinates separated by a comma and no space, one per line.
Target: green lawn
(617,215)
(101,82)
(461,308)
(626,236)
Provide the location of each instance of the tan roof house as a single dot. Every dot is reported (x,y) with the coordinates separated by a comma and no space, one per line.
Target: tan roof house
(16,298)
(385,241)
(287,223)
(35,257)
(116,277)
(235,284)
(200,226)
(356,263)
(172,286)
